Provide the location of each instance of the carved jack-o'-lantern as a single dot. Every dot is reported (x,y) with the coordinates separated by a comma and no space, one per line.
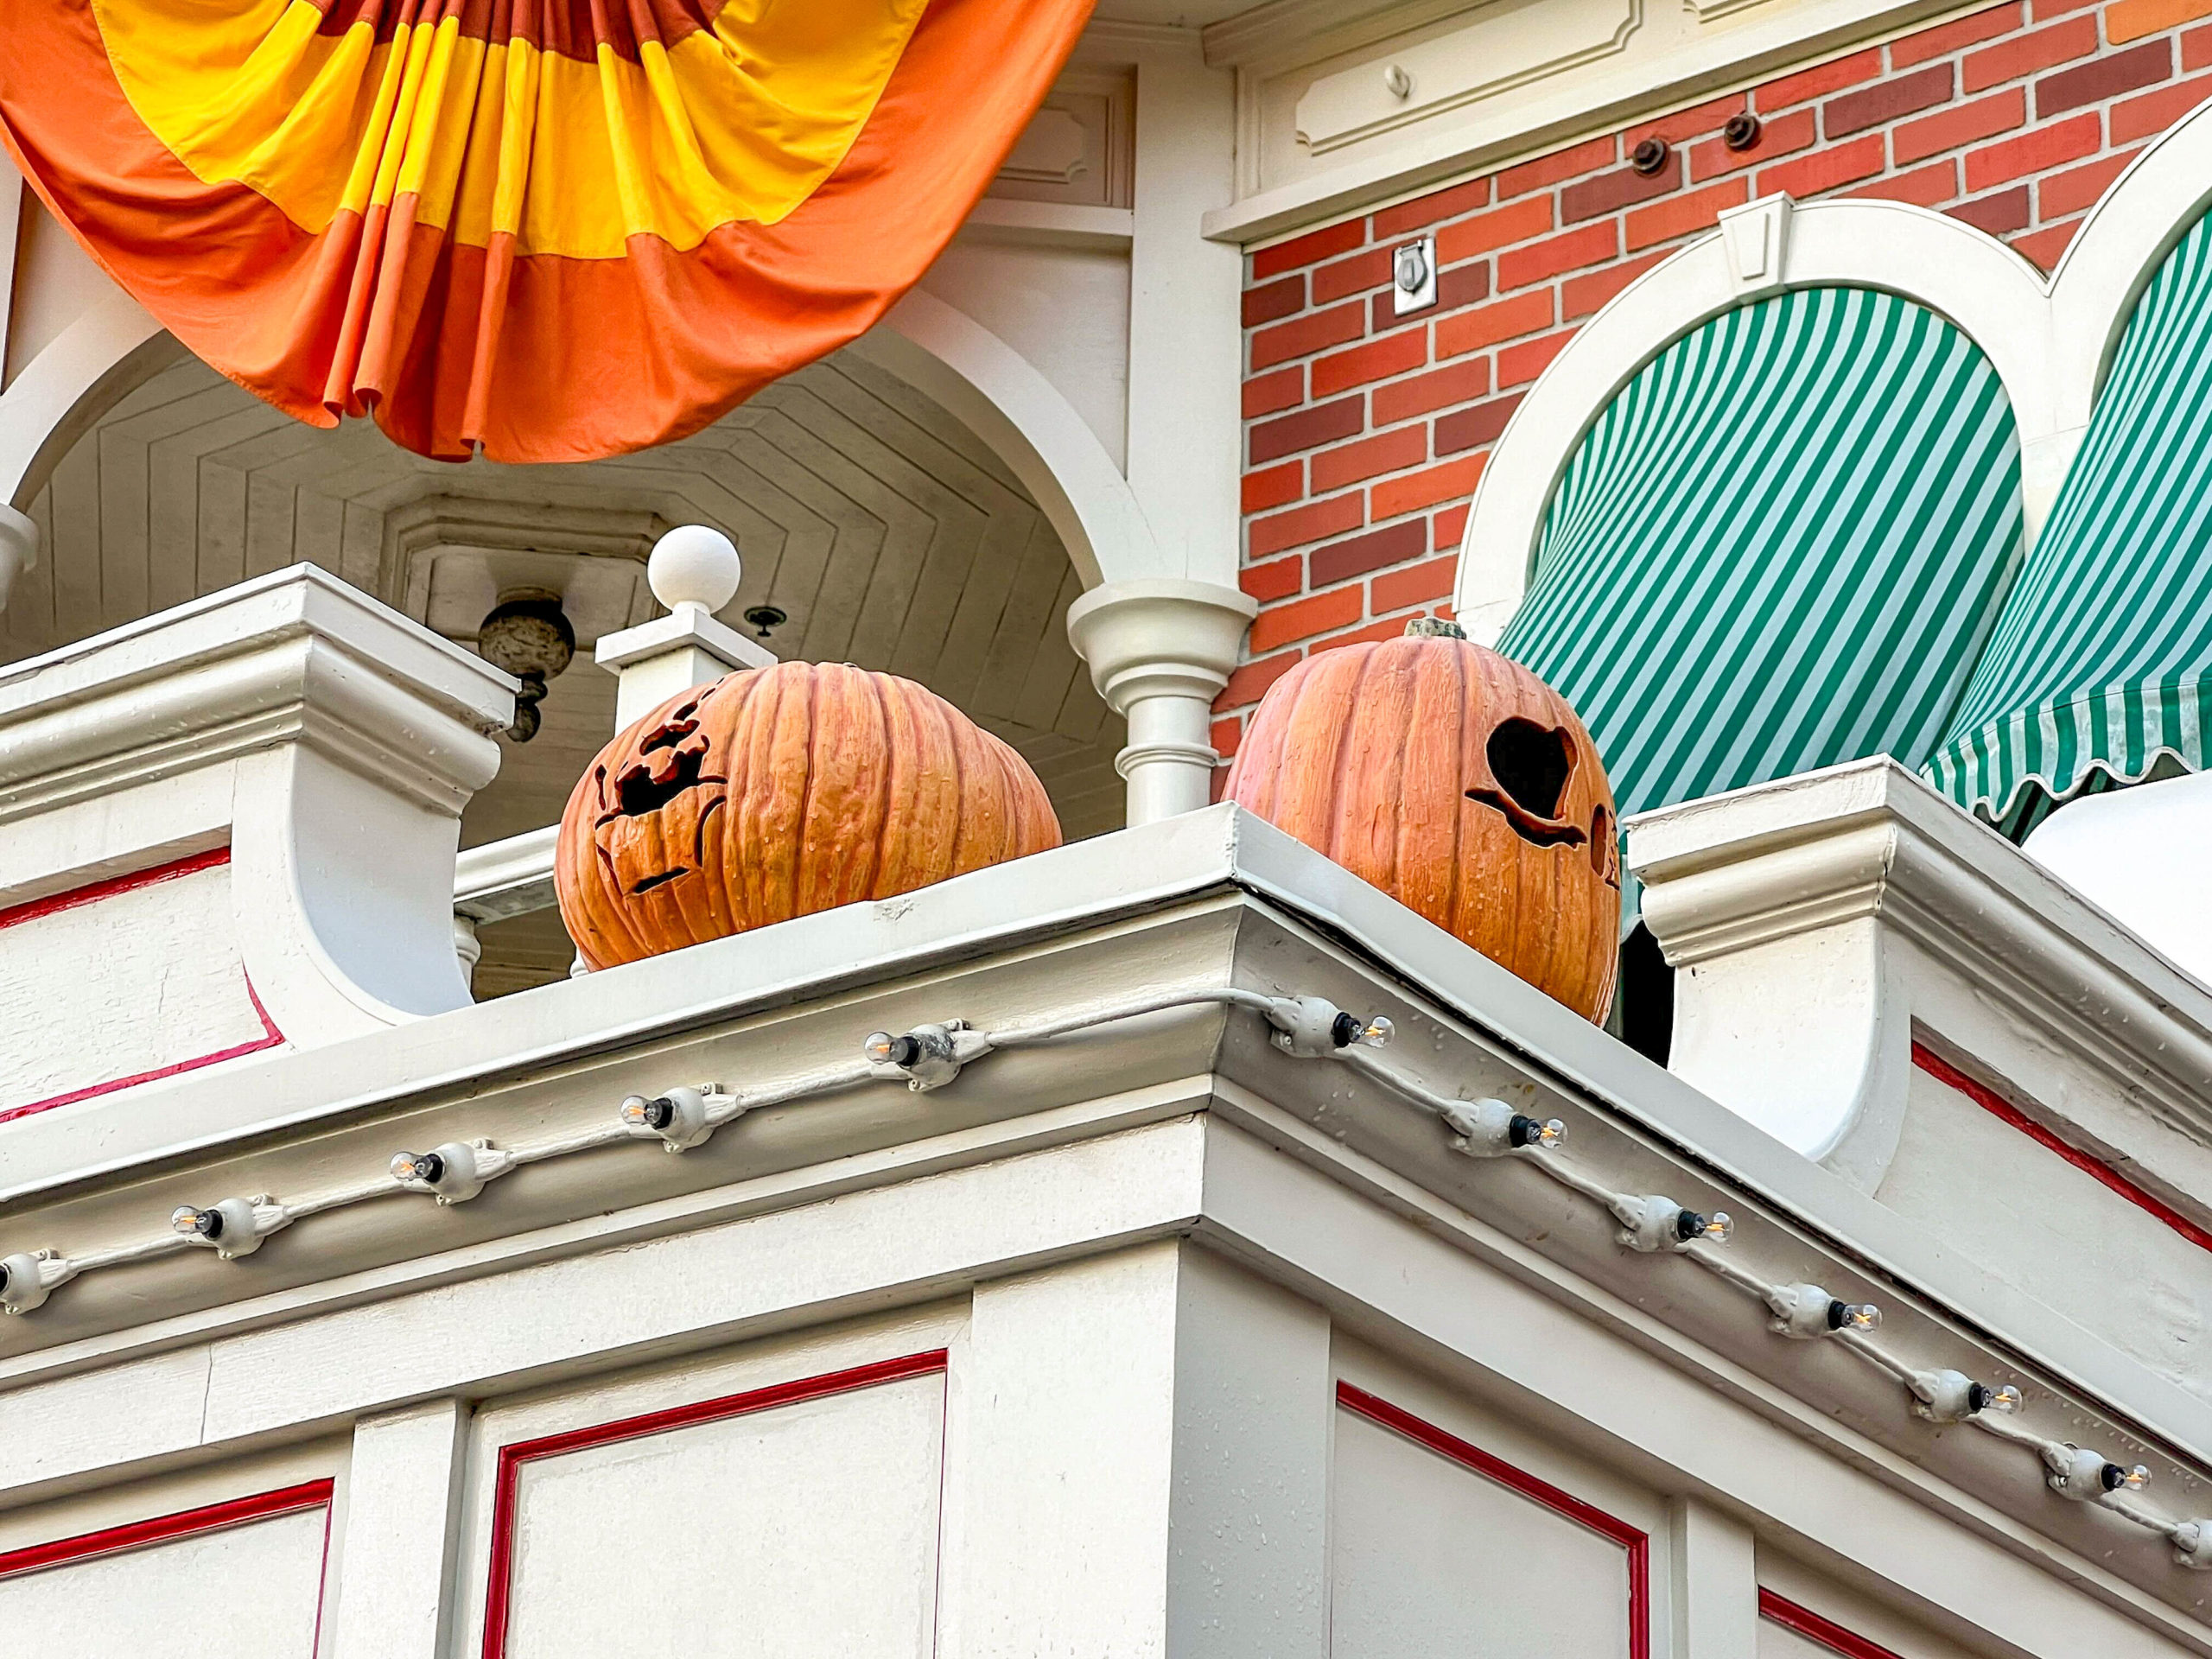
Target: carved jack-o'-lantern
(778,791)
(1459,784)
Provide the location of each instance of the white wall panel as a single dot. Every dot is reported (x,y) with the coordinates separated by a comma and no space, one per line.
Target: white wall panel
(247,1591)
(157,965)
(802,1529)
(1434,1558)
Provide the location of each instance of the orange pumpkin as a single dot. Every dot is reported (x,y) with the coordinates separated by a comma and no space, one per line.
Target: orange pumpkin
(775,792)
(1459,784)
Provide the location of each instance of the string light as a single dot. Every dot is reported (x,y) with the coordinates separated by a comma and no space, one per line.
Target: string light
(232,1229)
(1490,1129)
(29,1278)
(679,1120)
(926,1057)
(1654,1223)
(1310,1028)
(455,1173)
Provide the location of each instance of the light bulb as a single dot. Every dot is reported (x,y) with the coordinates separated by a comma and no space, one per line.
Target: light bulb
(1981,1397)
(2133,1480)
(1715,1228)
(642,1113)
(424,1166)
(1853,1316)
(1349,1028)
(885,1050)
(1527,1132)
(197,1224)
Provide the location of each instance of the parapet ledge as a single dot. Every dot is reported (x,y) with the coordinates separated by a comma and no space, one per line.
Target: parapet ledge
(297,654)
(1822,925)
(233,826)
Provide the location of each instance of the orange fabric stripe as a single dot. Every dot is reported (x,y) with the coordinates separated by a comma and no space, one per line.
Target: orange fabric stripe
(574,29)
(536,358)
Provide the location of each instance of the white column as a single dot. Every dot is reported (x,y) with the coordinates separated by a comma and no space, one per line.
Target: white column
(1187,336)
(18,537)
(11,226)
(397,1557)
(1159,652)
(1714,1585)
(1139,1464)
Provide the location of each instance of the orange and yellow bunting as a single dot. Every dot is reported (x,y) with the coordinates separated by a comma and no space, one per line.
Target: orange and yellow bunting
(552,230)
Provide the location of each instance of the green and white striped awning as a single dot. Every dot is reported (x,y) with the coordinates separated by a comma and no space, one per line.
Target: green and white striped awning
(1784,545)
(2098,669)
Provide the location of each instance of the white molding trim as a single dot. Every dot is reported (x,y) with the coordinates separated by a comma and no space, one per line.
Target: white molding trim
(2049,341)
(1495,133)
(109,351)
(1050,225)
(1002,398)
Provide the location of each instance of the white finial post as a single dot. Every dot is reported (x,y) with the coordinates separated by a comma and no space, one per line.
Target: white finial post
(694,571)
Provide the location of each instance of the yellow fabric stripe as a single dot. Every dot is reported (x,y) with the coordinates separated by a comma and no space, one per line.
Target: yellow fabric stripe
(742,124)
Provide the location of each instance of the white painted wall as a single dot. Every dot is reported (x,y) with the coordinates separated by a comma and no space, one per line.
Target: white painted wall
(806,1529)
(151,977)
(1430,1557)
(249,1592)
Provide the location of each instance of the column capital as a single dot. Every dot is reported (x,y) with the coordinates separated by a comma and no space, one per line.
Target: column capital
(1160,650)
(1159,637)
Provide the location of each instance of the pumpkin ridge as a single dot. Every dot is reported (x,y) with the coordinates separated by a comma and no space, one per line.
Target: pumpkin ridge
(959,860)
(875,842)
(805,851)
(1364,686)
(731,716)
(1457,670)
(1346,752)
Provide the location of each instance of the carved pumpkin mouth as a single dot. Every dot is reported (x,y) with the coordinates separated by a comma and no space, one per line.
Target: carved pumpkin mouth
(1531,763)
(671,764)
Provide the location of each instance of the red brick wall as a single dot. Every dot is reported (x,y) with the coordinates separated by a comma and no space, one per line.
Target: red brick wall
(1365,435)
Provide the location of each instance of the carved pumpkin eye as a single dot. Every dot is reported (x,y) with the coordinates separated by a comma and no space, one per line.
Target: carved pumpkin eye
(1605,848)
(1530,764)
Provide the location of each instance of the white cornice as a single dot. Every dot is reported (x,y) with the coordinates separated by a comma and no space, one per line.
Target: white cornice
(1871,839)
(295,655)
(1292,29)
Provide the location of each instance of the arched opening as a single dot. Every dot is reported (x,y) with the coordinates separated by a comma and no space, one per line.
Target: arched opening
(876,527)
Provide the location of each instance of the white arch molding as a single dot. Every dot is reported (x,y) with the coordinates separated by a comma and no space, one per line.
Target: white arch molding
(2049,341)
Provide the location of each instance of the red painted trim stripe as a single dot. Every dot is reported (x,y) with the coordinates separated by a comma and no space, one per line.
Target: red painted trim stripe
(1826,1631)
(136,1534)
(93,894)
(1997,1106)
(1633,1540)
(497,1609)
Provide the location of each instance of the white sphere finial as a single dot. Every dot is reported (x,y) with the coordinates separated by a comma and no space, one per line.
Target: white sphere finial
(694,565)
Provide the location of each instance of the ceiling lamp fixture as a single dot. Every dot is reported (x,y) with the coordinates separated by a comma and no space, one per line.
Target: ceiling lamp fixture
(527,635)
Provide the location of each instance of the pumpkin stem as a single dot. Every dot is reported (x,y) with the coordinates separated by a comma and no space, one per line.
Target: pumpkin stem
(1434,628)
